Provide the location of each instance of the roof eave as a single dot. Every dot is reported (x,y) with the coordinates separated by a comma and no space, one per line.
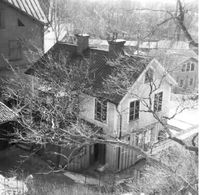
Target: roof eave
(21,11)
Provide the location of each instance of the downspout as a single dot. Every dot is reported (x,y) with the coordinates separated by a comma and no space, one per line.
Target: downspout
(119,137)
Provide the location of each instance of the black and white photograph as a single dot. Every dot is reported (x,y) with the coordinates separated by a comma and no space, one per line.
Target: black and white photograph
(99,97)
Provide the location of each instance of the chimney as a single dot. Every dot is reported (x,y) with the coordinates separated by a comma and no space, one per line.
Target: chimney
(116,48)
(82,42)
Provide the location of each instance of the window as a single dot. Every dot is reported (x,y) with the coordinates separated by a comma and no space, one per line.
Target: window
(15,50)
(134,110)
(183,67)
(188,67)
(148,76)
(162,135)
(2,22)
(181,83)
(158,101)
(20,23)
(139,140)
(100,110)
(147,139)
(192,67)
(147,136)
(191,81)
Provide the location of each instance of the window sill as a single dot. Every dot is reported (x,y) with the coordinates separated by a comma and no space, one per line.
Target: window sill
(103,122)
(130,121)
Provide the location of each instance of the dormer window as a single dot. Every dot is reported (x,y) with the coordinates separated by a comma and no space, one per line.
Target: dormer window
(149,76)
(100,110)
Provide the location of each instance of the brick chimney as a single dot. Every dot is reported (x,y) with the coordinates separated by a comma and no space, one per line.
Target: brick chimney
(116,48)
(82,42)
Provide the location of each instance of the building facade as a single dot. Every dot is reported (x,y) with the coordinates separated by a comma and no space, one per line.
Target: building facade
(21,33)
(120,116)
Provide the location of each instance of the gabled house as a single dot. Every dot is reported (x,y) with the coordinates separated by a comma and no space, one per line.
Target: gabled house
(121,116)
(183,66)
(21,33)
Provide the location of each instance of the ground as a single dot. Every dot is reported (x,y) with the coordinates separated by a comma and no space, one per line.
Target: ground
(186,120)
(12,157)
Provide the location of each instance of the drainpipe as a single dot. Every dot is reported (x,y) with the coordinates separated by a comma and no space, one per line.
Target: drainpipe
(119,137)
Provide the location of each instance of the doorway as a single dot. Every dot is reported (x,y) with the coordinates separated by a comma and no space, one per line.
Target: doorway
(98,154)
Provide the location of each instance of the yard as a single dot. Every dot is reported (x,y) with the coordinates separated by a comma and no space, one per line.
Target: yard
(14,162)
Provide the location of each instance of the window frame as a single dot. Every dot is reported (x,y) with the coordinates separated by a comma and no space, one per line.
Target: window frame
(98,116)
(188,67)
(191,83)
(149,78)
(158,101)
(134,112)
(181,83)
(183,67)
(17,49)
(192,65)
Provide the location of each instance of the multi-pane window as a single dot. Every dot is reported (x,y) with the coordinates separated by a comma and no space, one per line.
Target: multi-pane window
(15,50)
(134,110)
(183,67)
(148,76)
(158,98)
(100,110)
(192,67)
(188,67)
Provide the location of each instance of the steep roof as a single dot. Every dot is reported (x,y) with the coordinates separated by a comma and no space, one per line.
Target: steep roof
(6,114)
(29,7)
(171,58)
(99,68)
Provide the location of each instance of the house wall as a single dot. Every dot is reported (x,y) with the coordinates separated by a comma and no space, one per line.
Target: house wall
(142,89)
(88,112)
(31,35)
(187,75)
(146,120)
(125,157)
(109,128)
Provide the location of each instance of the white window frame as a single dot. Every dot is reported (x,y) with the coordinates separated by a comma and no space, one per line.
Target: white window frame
(158,102)
(134,111)
(101,102)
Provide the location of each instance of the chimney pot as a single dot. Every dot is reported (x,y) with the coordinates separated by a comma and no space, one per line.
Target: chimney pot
(82,42)
(116,48)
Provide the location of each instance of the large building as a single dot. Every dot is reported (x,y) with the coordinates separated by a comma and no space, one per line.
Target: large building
(121,116)
(21,33)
